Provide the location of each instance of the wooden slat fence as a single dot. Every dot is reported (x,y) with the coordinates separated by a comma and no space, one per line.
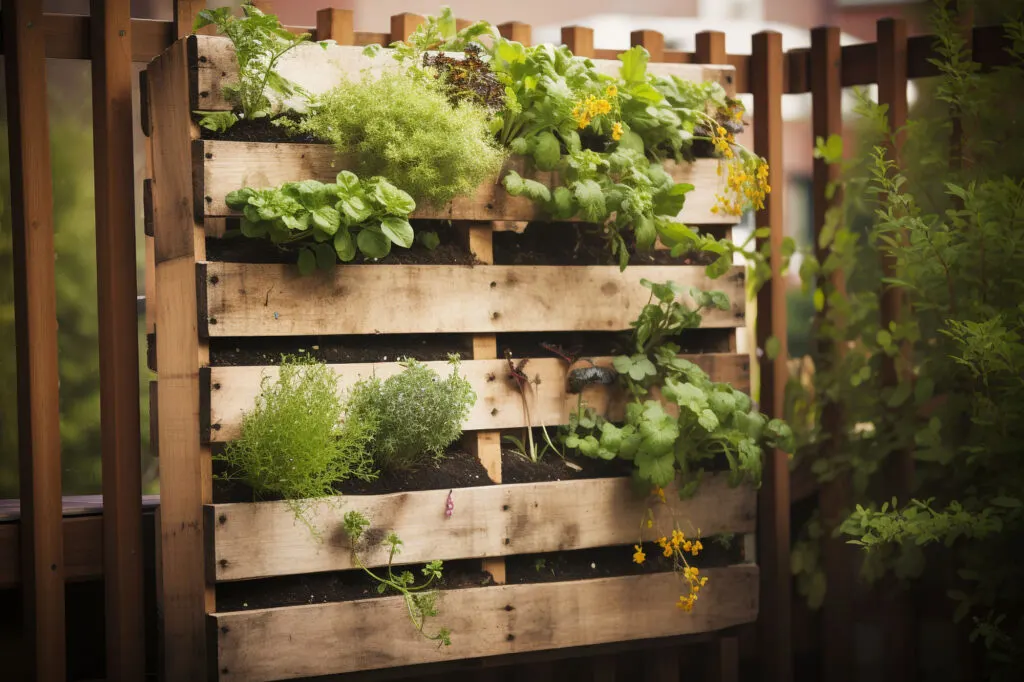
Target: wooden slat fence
(113,41)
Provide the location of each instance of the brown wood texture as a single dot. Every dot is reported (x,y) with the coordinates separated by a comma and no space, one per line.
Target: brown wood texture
(487,621)
(233,390)
(256,540)
(900,653)
(335,24)
(579,40)
(83,550)
(229,166)
(114,164)
(275,300)
(318,70)
(517,31)
(35,325)
(403,25)
(184,465)
(774,640)
(838,662)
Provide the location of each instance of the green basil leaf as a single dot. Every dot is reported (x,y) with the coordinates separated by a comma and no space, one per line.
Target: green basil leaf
(398,230)
(373,243)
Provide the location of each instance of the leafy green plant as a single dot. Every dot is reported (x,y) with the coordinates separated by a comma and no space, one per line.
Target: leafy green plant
(713,419)
(417,413)
(325,222)
(292,443)
(260,41)
(405,129)
(420,602)
(943,383)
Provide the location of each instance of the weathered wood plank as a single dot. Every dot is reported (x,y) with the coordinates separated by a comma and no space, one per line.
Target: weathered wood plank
(318,70)
(184,466)
(257,540)
(118,338)
(275,300)
(228,166)
(273,644)
(35,329)
(498,405)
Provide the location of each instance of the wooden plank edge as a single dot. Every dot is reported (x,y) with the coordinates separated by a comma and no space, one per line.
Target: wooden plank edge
(251,540)
(264,644)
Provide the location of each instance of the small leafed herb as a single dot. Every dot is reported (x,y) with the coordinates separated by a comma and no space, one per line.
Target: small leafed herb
(325,222)
(417,413)
(292,443)
(420,603)
(406,130)
(260,41)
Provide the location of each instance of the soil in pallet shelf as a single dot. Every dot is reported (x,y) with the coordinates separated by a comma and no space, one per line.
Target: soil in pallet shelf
(540,243)
(600,562)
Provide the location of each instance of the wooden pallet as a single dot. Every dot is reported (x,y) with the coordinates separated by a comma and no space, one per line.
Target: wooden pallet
(204,544)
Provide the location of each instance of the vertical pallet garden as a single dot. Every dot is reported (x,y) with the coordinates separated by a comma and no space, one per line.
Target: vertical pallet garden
(231,570)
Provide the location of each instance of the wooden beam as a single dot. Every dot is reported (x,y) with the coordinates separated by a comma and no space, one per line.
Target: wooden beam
(652,41)
(259,540)
(711,48)
(259,645)
(228,166)
(579,40)
(403,25)
(825,65)
(35,323)
(185,13)
(774,639)
(184,466)
(335,24)
(118,338)
(275,300)
(517,31)
(233,390)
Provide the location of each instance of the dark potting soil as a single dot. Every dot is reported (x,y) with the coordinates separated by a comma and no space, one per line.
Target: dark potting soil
(256,130)
(515,468)
(321,588)
(594,344)
(268,350)
(572,244)
(237,248)
(457,469)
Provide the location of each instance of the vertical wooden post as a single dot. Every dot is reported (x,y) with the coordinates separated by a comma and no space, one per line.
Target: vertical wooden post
(517,31)
(336,25)
(711,48)
(775,645)
(118,337)
(185,13)
(403,25)
(835,496)
(185,474)
(35,318)
(653,41)
(900,656)
(579,40)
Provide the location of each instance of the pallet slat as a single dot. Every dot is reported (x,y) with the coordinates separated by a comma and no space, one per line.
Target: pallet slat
(498,404)
(487,621)
(274,300)
(229,166)
(258,540)
(318,70)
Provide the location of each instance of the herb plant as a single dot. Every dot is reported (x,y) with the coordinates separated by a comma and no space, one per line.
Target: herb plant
(406,129)
(292,443)
(260,41)
(325,222)
(417,414)
(943,383)
(713,420)
(420,602)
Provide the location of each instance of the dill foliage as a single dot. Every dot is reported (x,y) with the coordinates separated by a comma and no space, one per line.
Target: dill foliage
(405,129)
(292,443)
(416,413)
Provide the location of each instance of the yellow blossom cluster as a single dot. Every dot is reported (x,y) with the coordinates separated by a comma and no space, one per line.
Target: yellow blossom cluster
(695,581)
(679,543)
(746,186)
(586,110)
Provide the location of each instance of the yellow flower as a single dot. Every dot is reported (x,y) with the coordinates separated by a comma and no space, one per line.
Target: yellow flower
(677,538)
(650,523)
(611,91)
(617,131)
(668,549)
(659,492)
(703,581)
(662,541)
(697,547)
(638,555)
(686,602)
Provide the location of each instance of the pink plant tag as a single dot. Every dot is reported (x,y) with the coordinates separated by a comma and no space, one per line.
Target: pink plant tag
(449,506)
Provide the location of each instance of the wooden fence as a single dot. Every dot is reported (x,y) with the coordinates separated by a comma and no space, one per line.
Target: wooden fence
(38,553)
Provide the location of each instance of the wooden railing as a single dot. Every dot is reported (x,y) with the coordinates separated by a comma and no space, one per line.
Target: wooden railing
(113,41)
